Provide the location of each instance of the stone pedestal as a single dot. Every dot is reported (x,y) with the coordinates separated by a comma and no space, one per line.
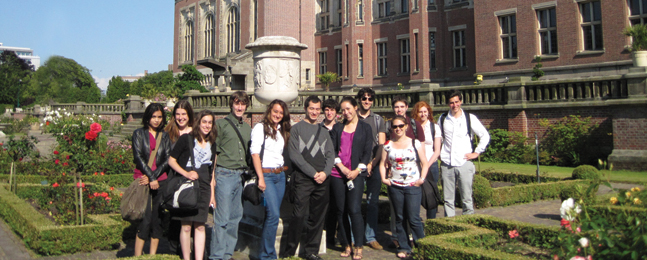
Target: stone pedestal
(277,68)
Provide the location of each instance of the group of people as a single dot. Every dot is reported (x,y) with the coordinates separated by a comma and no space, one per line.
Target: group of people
(331,164)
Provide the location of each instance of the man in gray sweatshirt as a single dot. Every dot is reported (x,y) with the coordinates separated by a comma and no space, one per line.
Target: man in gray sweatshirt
(311,151)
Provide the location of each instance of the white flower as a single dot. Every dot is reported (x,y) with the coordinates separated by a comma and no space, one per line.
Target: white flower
(569,209)
(584,242)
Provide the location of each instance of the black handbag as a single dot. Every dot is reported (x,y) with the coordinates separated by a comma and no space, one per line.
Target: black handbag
(251,192)
(182,194)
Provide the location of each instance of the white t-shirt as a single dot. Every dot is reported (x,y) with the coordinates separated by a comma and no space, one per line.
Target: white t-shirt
(429,141)
(273,155)
(404,166)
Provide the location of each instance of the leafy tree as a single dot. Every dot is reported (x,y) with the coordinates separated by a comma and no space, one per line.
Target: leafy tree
(190,79)
(327,78)
(62,80)
(117,89)
(14,73)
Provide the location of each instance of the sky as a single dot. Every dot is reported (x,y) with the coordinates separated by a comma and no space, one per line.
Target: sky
(109,37)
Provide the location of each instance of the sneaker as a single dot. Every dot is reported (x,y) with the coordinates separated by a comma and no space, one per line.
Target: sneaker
(375,245)
(312,257)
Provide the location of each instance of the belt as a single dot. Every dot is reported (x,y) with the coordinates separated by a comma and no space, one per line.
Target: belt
(276,170)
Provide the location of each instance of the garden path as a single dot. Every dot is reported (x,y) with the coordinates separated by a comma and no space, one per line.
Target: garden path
(540,212)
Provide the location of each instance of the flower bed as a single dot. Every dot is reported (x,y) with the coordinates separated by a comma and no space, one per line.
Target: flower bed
(476,236)
(43,236)
(112,180)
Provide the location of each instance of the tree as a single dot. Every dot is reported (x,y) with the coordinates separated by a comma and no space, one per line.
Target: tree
(190,80)
(327,78)
(14,73)
(117,89)
(62,80)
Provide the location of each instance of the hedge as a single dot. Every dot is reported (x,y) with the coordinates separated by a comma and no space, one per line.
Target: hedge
(510,195)
(46,238)
(112,180)
(515,177)
(467,236)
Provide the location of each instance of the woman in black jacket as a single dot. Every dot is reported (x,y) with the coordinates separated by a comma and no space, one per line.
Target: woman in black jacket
(353,143)
(145,142)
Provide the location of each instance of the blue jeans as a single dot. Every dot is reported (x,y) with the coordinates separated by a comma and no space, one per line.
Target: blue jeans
(373,185)
(407,199)
(435,173)
(274,191)
(227,214)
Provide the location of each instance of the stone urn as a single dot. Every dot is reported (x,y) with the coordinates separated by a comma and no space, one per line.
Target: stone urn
(639,58)
(277,68)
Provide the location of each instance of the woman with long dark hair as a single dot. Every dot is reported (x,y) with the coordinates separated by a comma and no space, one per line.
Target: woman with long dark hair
(404,182)
(203,137)
(353,142)
(181,123)
(269,138)
(146,141)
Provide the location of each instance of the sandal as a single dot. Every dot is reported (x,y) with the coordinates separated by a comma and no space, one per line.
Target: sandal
(346,252)
(357,254)
(402,255)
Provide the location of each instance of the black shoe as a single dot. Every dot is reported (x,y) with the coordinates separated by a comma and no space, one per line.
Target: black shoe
(312,257)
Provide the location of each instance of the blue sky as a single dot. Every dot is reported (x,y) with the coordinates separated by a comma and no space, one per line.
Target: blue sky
(111,38)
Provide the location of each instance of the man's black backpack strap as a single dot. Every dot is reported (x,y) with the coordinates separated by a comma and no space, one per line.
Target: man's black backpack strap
(248,157)
(414,127)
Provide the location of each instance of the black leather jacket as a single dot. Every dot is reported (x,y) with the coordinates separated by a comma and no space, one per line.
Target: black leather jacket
(141,152)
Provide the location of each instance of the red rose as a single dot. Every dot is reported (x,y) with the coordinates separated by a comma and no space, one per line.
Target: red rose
(121,194)
(91,136)
(47,123)
(56,161)
(123,162)
(80,184)
(95,173)
(55,185)
(96,194)
(67,157)
(63,174)
(90,197)
(104,194)
(56,152)
(20,159)
(112,188)
(108,198)
(102,173)
(65,164)
(95,127)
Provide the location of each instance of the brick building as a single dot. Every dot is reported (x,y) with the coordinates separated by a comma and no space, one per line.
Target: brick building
(381,43)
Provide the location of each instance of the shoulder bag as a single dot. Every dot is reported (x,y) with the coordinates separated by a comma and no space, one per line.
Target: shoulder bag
(136,196)
(182,194)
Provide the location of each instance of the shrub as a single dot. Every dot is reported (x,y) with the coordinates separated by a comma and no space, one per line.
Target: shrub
(586,172)
(508,147)
(566,139)
(482,192)
(510,195)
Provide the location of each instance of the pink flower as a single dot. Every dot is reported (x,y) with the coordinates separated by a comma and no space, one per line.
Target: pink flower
(95,127)
(513,233)
(577,257)
(80,184)
(578,230)
(56,161)
(590,257)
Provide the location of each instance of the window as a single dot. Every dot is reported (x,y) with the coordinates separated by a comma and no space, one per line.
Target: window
(347,61)
(459,49)
(638,12)
(381,59)
(415,43)
(405,6)
(323,59)
(432,50)
(339,16)
(233,30)
(405,56)
(324,17)
(188,41)
(592,25)
(508,36)
(255,19)
(547,31)
(340,61)
(208,36)
(360,56)
(307,74)
(383,8)
(360,10)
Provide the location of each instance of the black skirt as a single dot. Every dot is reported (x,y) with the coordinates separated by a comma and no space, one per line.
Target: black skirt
(201,214)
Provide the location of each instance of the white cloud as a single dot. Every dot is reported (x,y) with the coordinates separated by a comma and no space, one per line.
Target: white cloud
(102,83)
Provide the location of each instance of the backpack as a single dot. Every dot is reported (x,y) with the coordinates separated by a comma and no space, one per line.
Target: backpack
(469,126)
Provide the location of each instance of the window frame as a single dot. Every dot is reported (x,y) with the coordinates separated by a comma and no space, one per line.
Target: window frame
(382,58)
(593,24)
(546,32)
(323,62)
(339,61)
(460,49)
(508,36)
(405,55)
(642,12)
(432,51)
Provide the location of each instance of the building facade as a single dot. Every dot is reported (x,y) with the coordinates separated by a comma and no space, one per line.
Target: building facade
(383,43)
(23,53)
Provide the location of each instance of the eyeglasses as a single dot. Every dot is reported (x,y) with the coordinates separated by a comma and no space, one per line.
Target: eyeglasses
(399,126)
(367,98)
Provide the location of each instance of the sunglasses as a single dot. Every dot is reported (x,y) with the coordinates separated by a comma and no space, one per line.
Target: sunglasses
(399,126)
(367,98)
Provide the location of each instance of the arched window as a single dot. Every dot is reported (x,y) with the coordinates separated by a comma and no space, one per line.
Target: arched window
(233,30)
(188,41)
(208,36)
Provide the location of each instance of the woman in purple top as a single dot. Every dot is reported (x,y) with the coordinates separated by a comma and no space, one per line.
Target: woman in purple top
(353,143)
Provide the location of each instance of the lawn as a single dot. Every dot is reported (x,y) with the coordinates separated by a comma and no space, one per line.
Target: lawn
(563,172)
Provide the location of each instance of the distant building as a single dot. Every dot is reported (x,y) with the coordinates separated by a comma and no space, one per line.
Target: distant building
(133,78)
(23,53)
(381,43)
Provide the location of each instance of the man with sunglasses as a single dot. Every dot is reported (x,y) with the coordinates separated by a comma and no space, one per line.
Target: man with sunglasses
(365,97)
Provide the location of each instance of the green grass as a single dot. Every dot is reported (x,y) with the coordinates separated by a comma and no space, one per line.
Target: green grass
(563,172)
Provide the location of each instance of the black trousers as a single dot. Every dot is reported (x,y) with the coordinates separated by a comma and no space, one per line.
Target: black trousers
(151,224)
(315,197)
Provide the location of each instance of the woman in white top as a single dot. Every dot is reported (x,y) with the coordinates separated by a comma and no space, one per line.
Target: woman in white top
(423,114)
(404,182)
(269,138)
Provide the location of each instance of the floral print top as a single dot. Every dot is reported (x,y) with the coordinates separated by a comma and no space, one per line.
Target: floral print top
(404,166)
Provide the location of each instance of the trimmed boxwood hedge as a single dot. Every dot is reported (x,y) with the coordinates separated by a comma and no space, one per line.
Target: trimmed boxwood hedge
(44,237)
(464,237)
(492,175)
(510,195)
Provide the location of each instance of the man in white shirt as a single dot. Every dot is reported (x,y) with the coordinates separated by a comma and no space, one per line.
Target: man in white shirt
(457,153)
